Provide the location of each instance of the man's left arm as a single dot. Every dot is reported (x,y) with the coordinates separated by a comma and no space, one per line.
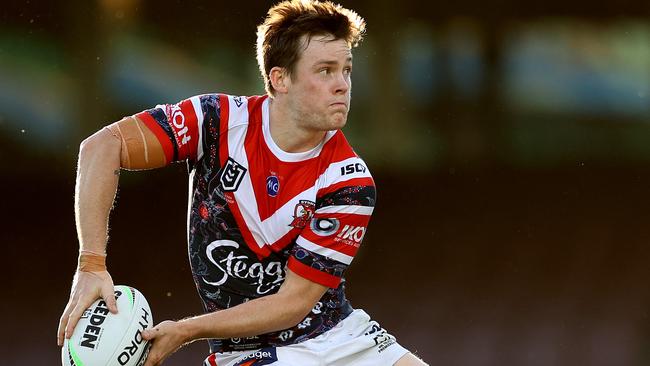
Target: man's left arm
(326,245)
(284,309)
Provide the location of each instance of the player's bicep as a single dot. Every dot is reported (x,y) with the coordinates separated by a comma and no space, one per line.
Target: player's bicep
(326,247)
(140,148)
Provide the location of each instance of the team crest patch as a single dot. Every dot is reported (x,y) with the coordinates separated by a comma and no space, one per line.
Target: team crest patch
(231,175)
(264,356)
(302,213)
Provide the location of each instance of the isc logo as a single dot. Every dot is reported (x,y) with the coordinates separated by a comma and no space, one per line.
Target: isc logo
(353,168)
(354,233)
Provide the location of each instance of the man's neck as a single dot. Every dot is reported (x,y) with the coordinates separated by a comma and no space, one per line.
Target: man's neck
(286,131)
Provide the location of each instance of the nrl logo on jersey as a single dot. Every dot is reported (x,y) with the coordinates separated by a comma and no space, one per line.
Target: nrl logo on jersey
(302,213)
(231,175)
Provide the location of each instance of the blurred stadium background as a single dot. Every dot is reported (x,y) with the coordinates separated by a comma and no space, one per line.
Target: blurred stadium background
(509,141)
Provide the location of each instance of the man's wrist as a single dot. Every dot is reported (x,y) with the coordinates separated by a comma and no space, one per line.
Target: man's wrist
(91,262)
(190,329)
(95,252)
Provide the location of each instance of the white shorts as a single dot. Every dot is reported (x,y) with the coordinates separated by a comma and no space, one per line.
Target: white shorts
(355,341)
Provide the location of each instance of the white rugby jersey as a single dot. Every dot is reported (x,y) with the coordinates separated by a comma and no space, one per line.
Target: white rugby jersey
(256,210)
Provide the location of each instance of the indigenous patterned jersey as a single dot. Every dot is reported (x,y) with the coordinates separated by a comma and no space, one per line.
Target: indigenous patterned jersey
(256,210)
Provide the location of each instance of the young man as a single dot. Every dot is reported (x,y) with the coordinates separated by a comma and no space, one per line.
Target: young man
(279,205)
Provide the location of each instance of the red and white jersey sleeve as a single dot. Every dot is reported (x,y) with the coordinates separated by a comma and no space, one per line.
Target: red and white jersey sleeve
(344,203)
(179,127)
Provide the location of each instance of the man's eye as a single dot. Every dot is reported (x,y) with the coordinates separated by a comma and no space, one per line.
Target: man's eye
(347,70)
(324,71)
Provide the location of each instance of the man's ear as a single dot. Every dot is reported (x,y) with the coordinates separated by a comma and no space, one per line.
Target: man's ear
(279,79)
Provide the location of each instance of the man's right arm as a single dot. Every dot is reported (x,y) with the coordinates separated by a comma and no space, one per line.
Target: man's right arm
(147,140)
(125,144)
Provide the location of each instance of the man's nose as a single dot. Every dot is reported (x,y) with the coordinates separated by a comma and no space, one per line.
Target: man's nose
(342,84)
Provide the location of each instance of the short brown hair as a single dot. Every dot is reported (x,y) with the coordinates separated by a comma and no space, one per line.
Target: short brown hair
(279,36)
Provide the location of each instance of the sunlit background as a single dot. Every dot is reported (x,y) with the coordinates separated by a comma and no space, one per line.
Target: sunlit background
(510,143)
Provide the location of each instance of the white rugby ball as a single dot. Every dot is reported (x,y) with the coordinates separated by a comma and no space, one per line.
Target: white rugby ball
(102,338)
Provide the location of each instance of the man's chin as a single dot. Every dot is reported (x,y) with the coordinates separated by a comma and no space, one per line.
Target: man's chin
(338,122)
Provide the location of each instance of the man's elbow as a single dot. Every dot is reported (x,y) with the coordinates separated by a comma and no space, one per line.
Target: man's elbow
(101,143)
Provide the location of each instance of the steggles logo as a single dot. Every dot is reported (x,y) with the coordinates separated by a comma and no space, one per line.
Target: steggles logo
(234,264)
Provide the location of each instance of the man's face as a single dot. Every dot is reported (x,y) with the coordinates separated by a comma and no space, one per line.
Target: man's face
(319,88)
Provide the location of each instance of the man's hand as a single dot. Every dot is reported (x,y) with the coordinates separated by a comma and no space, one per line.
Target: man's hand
(86,288)
(166,337)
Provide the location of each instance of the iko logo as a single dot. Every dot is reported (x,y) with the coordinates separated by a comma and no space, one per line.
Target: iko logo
(272,185)
(231,175)
(352,233)
(178,120)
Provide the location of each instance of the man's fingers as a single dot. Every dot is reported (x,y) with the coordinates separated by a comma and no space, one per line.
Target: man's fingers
(146,335)
(74,317)
(61,331)
(149,334)
(156,360)
(149,361)
(62,324)
(86,288)
(108,294)
(152,359)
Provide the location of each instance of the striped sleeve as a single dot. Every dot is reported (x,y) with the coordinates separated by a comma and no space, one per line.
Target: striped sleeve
(183,129)
(326,247)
